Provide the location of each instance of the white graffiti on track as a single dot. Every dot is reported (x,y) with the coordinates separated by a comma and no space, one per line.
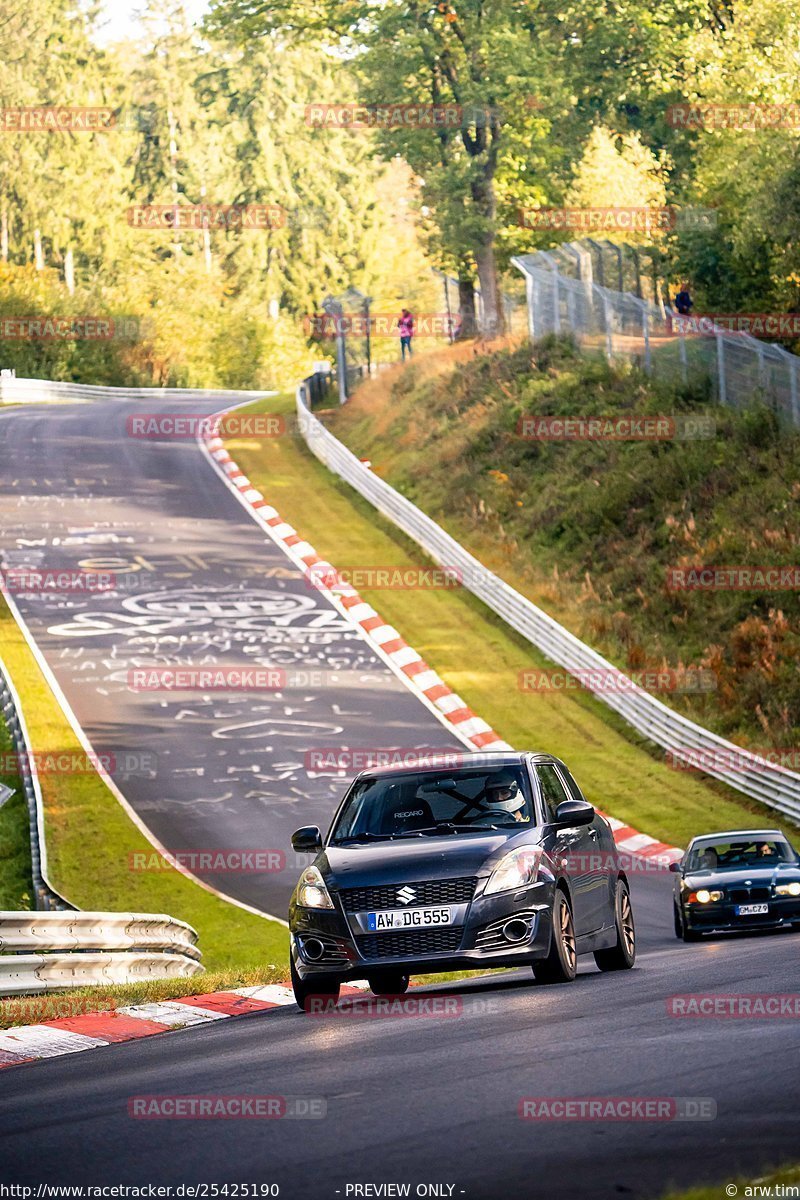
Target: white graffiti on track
(267,613)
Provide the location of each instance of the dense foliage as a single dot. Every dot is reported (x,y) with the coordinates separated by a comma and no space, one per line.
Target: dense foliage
(562,102)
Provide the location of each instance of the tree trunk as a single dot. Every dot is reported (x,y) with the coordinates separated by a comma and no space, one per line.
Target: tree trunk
(493,323)
(4,233)
(493,318)
(466,305)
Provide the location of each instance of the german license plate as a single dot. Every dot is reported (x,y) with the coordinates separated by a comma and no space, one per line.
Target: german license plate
(751,910)
(408,918)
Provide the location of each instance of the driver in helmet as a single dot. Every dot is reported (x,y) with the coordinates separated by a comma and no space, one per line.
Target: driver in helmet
(502,796)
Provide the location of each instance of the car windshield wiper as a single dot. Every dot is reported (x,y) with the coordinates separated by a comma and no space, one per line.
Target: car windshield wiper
(448,827)
(365,837)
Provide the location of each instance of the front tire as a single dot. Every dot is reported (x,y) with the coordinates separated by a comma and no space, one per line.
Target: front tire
(389,983)
(561,963)
(678,923)
(622,956)
(324,988)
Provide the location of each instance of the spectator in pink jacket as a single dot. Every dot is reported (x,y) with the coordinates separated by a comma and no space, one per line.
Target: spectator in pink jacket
(406,324)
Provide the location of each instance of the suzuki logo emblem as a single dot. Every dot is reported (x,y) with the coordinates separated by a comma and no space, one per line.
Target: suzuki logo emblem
(406,895)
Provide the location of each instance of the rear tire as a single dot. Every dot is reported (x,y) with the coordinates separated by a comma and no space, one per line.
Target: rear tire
(622,956)
(562,958)
(324,988)
(389,983)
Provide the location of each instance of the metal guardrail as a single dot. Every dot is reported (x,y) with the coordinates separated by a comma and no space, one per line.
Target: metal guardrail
(31,391)
(26,974)
(683,739)
(45,895)
(40,932)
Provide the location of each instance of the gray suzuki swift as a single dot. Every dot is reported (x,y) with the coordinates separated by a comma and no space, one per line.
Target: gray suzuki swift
(485,860)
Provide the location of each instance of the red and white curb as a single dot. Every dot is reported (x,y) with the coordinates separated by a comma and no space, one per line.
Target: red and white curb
(89,1031)
(385,639)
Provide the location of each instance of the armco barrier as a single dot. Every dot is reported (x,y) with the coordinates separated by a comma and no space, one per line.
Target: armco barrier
(27,974)
(45,894)
(33,932)
(756,777)
(40,951)
(39,391)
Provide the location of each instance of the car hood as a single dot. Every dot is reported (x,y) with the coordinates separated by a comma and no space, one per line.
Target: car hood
(783,873)
(416,859)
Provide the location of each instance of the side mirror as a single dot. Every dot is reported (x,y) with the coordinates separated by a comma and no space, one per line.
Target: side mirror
(307,840)
(675,867)
(573,812)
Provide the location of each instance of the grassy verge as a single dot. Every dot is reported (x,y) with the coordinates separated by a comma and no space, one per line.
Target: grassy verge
(480,657)
(90,837)
(746,1189)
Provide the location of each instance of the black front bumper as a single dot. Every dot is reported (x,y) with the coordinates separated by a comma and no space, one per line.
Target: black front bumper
(722,917)
(475,943)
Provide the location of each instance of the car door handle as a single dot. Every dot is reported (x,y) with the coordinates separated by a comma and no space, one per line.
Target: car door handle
(593,834)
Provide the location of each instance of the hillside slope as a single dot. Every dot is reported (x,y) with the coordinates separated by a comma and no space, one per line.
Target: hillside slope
(591,529)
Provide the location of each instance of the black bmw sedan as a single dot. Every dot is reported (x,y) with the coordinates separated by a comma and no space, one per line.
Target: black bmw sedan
(744,879)
(485,860)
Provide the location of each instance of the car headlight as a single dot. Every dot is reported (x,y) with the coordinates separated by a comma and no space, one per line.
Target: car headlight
(787,889)
(311,890)
(516,870)
(704,896)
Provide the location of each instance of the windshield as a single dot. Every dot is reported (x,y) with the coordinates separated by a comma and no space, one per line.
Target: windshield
(728,855)
(430,803)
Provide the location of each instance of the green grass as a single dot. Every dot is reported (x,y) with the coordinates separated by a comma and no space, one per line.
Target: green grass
(480,657)
(89,838)
(747,1189)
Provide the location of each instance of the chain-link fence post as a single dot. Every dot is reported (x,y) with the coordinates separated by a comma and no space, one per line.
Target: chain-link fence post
(608,322)
(722,389)
(556,302)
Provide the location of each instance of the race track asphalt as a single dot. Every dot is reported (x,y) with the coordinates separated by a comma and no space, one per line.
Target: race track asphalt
(426,1100)
(200,585)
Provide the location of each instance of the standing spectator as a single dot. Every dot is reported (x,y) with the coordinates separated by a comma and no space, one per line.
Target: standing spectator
(683,301)
(406,324)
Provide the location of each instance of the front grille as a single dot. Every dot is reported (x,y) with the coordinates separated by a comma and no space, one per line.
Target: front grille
(417,944)
(432,891)
(755,895)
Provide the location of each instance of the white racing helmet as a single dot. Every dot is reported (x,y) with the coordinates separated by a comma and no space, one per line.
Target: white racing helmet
(502,794)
